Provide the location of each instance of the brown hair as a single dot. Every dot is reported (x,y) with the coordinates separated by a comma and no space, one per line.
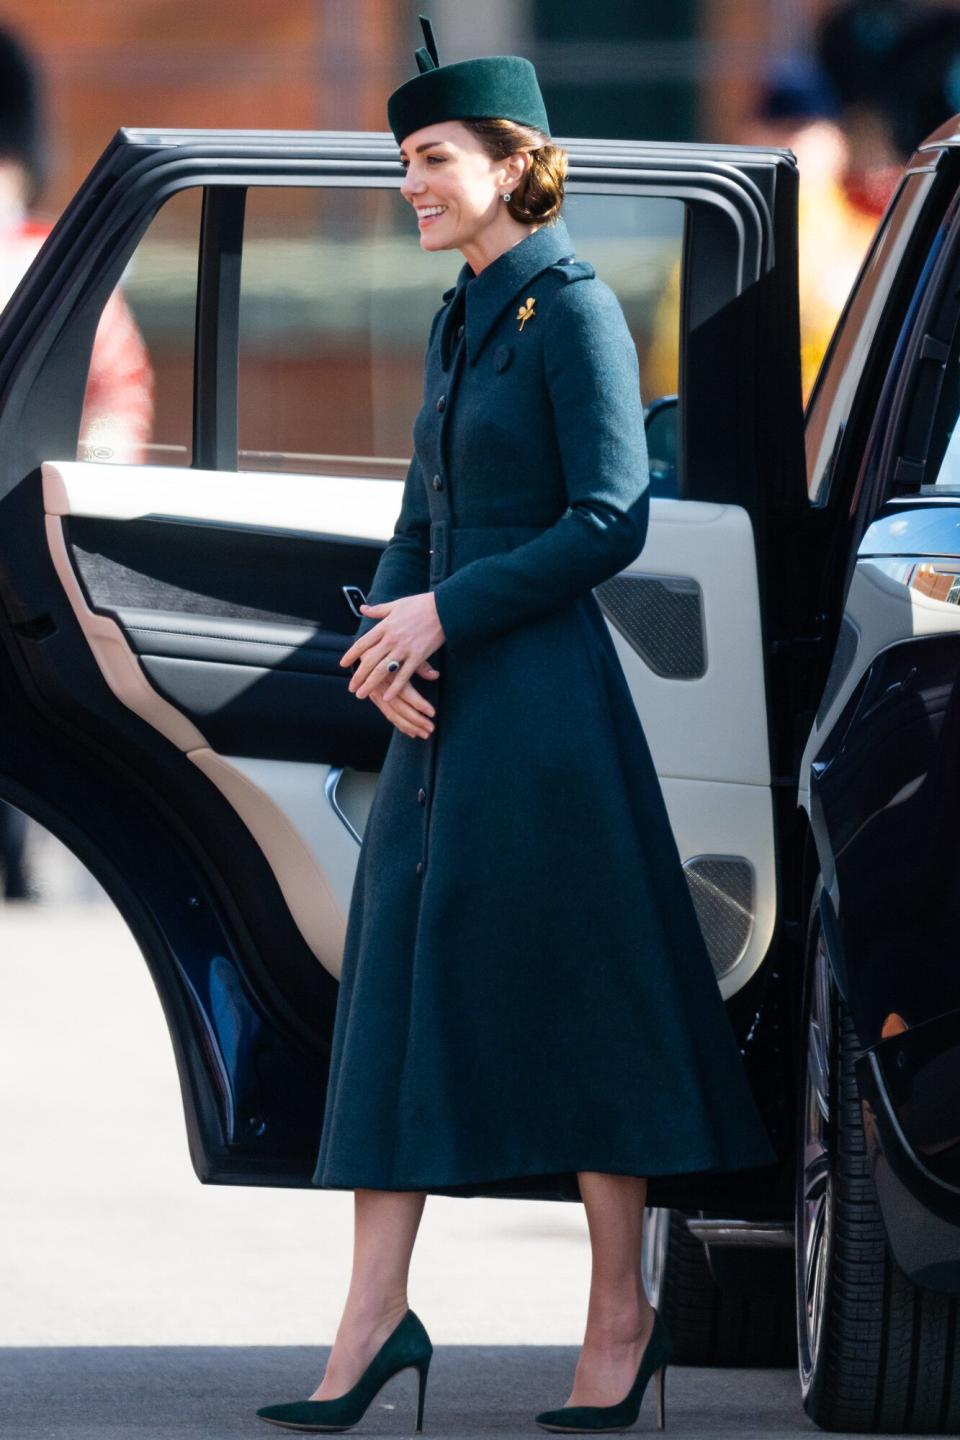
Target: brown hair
(539,195)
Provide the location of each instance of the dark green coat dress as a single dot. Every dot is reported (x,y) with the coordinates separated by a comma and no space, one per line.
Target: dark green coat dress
(525,991)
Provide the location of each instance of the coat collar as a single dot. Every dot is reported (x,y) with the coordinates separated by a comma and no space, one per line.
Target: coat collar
(489,293)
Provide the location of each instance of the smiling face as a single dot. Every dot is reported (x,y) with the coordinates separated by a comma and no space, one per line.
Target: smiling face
(455,186)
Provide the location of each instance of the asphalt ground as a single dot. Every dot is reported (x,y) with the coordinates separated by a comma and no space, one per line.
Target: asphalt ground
(137,1302)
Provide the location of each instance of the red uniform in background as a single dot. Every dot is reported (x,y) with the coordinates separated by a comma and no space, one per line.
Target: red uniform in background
(118,405)
(117,418)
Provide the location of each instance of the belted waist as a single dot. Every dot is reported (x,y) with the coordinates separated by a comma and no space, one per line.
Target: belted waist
(452,546)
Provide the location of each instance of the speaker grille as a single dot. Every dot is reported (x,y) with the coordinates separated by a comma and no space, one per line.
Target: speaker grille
(722,888)
(662,618)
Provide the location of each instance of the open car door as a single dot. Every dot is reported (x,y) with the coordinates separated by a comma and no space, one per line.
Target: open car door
(173,612)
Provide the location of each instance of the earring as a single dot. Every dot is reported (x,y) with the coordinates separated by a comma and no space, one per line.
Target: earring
(505,195)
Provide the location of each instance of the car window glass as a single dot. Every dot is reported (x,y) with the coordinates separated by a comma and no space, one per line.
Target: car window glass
(138,406)
(834,393)
(948,476)
(942,464)
(336,303)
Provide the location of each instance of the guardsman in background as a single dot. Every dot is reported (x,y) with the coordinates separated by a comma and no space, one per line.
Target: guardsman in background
(118,408)
(118,405)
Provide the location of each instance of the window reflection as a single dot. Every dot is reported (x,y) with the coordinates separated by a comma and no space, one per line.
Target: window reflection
(336,303)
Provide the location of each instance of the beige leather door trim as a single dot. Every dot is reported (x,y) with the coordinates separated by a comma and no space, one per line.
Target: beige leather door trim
(301,878)
(118,664)
(302,882)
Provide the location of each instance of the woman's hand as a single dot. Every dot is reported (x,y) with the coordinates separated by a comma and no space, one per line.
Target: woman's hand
(409,711)
(409,631)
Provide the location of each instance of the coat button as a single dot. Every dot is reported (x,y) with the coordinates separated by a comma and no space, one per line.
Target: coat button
(419,867)
(421,795)
(441,402)
(438,482)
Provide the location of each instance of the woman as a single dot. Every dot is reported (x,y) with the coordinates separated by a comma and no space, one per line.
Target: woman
(526,1002)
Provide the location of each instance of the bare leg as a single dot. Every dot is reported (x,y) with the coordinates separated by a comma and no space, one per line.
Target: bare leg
(384,1230)
(619,1314)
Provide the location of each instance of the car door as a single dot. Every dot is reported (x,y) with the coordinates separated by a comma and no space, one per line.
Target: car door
(878,1159)
(173,611)
(879,770)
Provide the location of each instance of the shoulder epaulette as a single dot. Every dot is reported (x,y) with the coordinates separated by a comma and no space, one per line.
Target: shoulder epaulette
(573,269)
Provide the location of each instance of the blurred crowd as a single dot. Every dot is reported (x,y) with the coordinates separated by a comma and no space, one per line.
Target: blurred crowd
(880,76)
(884,75)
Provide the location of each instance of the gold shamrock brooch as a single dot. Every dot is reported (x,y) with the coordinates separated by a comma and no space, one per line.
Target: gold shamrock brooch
(525,312)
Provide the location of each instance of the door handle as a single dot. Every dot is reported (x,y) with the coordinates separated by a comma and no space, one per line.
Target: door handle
(348,592)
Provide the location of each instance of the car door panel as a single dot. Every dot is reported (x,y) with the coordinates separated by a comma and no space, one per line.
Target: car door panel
(713,725)
(253,688)
(220,639)
(180,671)
(258,664)
(707,731)
(726,838)
(881,762)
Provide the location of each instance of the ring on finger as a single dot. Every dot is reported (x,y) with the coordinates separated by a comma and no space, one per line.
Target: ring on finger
(393,665)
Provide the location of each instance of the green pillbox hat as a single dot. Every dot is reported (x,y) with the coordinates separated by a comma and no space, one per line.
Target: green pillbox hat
(491,86)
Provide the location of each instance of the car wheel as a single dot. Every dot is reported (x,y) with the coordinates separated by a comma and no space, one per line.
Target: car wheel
(877,1354)
(748,1320)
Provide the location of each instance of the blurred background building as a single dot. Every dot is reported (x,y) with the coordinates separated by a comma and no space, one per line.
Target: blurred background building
(337,296)
(690,69)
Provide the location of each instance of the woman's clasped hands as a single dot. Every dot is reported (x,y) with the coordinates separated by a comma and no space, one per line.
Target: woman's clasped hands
(408,631)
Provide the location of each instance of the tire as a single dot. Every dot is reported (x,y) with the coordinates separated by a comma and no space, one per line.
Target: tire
(877,1354)
(747,1321)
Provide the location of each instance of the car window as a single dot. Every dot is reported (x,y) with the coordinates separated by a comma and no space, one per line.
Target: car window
(947,475)
(941,470)
(336,303)
(924,458)
(841,374)
(138,405)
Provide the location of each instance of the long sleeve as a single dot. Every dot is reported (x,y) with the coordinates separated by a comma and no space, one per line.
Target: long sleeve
(404,565)
(593,379)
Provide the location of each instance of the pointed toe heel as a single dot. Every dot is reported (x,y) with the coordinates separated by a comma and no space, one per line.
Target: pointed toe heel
(581,1418)
(406,1347)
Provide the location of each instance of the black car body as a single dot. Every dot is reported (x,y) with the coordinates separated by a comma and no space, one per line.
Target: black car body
(174,709)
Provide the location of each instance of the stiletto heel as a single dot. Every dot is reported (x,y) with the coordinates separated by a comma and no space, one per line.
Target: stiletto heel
(658,1350)
(422,1369)
(406,1347)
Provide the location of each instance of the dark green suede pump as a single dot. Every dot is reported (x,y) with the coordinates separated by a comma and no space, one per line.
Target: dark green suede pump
(408,1345)
(658,1350)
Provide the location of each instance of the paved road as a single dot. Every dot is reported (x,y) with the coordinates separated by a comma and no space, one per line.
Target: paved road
(137,1302)
(210,1393)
